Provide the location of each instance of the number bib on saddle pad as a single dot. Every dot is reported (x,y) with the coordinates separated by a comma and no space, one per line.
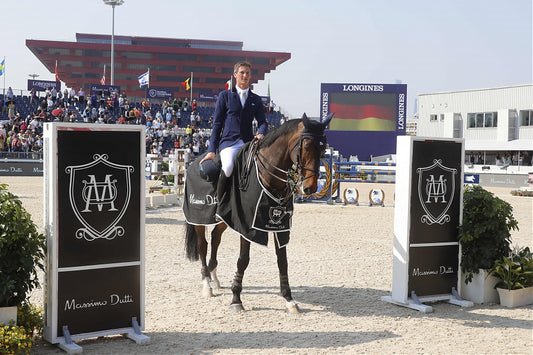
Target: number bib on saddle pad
(250,210)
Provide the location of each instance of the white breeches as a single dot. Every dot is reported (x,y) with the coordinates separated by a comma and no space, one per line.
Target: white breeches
(227,155)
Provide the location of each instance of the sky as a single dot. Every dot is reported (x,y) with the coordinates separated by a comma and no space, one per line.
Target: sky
(432,46)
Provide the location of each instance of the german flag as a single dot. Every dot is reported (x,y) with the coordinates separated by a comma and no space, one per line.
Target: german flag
(363,111)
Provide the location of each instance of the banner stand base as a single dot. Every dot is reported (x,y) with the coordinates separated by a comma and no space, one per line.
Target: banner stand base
(415,302)
(67,345)
(136,335)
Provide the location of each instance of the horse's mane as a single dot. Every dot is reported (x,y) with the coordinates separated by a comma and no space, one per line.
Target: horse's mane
(288,126)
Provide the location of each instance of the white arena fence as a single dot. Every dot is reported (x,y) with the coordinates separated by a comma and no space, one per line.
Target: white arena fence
(165,178)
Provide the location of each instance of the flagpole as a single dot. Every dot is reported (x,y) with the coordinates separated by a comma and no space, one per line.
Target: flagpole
(191,86)
(148,77)
(4,74)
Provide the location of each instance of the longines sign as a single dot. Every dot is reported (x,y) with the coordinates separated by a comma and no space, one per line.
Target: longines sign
(94,217)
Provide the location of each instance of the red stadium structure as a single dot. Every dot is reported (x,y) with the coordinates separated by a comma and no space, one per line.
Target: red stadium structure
(170,60)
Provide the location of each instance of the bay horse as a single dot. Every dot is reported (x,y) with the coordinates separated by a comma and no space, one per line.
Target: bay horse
(286,157)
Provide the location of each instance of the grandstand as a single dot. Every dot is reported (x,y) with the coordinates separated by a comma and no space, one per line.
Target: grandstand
(165,134)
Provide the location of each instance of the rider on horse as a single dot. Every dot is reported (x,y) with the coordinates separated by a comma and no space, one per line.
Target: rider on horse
(232,124)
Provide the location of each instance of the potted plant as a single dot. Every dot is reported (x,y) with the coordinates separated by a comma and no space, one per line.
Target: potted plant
(484,237)
(515,275)
(21,252)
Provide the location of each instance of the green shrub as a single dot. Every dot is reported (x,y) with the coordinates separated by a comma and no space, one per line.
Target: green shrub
(21,250)
(515,270)
(485,234)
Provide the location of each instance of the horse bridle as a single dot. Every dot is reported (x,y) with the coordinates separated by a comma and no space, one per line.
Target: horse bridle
(318,139)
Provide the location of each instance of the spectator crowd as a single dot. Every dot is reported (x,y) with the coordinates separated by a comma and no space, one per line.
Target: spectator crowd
(170,125)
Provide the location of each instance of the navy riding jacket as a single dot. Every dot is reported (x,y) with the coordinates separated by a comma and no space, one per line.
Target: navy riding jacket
(235,121)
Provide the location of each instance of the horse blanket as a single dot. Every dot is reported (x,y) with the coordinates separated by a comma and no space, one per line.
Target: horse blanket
(246,207)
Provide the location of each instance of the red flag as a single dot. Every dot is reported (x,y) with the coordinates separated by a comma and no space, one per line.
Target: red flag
(228,84)
(57,77)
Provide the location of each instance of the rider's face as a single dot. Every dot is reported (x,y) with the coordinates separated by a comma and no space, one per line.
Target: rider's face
(242,77)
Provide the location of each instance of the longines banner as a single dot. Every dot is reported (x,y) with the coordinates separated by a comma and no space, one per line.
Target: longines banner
(428,207)
(94,217)
(42,85)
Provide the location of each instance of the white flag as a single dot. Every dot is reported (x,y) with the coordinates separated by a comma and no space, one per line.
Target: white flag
(144,79)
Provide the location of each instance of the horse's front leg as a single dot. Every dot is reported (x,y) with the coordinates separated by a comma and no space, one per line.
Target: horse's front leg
(216,237)
(285,289)
(236,286)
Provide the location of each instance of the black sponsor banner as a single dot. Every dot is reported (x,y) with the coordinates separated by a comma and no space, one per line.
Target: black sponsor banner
(99,182)
(433,269)
(436,185)
(29,168)
(97,300)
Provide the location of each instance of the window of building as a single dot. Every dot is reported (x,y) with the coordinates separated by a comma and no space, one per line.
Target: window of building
(433,118)
(221,59)
(96,53)
(136,55)
(263,61)
(442,117)
(482,119)
(526,118)
(177,57)
(216,80)
(196,68)
(71,63)
(58,51)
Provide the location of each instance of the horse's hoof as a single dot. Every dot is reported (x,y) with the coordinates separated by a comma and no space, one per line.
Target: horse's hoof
(237,307)
(292,307)
(215,284)
(207,293)
(206,289)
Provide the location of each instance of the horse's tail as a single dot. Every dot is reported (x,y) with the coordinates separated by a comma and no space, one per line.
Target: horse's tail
(191,242)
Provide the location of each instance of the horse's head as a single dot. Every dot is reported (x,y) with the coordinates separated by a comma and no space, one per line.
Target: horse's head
(312,145)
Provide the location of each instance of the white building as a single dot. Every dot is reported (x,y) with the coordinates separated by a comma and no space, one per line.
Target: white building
(496,123)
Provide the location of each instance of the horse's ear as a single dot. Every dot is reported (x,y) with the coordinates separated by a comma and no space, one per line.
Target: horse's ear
(304,117)
(327,119)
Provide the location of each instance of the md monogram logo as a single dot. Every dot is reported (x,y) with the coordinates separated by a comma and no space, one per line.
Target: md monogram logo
(436,189)
(276,214)
(99,194)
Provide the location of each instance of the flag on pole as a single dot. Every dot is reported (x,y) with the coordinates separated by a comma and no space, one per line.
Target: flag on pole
(57,76)
(228,84)
(2,67)
(186,84)
(144,79)
(102,81)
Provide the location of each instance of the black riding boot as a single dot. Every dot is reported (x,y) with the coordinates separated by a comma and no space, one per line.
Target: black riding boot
(223,181)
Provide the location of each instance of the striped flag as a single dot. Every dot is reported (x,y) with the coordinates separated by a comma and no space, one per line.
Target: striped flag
(186,84)
(144,79)
(2,67)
